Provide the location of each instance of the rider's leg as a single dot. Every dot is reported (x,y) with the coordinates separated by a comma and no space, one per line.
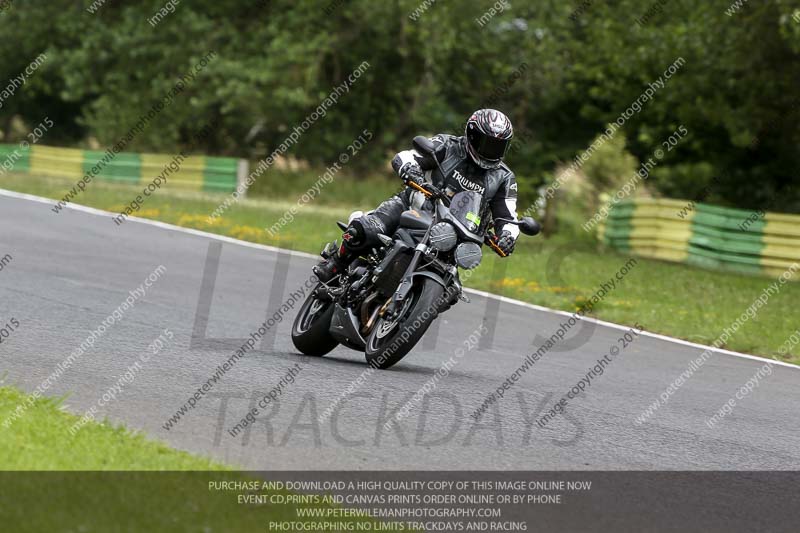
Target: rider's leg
(362,233)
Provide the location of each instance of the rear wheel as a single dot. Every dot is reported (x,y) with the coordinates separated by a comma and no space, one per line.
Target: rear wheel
(391,340)
(310,329)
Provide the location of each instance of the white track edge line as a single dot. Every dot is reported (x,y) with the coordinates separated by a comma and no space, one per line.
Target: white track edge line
(505,299)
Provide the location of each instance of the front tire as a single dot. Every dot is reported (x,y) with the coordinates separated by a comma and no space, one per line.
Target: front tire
(390,341)
(310,331)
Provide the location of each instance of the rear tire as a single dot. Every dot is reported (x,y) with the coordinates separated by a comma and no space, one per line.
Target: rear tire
(385,344)
(310,331)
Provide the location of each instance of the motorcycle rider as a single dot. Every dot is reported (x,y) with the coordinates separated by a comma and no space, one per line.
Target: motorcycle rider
(473,162)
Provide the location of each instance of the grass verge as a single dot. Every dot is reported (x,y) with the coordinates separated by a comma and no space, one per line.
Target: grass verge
(40,440)
(667,298)
(107,478)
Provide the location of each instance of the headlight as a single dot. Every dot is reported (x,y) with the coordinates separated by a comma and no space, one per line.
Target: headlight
(443,237)
(468,255)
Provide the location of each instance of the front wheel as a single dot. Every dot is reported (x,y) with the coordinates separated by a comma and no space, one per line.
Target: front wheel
(310,331)
(391,340)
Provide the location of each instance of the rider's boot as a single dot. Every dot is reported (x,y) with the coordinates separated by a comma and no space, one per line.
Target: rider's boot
(336,261)
(331,267)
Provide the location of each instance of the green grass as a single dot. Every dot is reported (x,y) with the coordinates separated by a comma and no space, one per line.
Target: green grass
(40,440)
(342,191)
(132,483)
(672,299)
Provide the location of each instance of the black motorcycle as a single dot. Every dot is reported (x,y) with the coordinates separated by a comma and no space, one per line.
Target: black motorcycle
(387,298)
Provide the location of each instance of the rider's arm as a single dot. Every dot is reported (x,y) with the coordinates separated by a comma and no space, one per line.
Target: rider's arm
(425,162)
(504,205)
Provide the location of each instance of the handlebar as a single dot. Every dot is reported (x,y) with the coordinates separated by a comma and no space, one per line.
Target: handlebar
(420,188)
(430,192)
(433,192)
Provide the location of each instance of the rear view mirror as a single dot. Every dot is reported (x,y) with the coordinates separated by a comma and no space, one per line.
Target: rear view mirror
(528,226)
(423,145)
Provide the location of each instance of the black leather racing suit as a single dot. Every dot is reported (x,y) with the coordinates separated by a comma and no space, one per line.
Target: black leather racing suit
(498,186)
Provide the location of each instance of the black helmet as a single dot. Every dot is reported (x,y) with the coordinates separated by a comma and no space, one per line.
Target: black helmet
(488,135)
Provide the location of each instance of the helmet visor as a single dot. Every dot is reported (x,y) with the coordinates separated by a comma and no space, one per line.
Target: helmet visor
(490,148)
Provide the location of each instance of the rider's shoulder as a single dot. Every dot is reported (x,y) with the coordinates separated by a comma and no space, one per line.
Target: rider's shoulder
(452,144)
(447,139)
(504,171)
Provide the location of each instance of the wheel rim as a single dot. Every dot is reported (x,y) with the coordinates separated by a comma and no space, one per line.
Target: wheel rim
(316,308)
(385,327)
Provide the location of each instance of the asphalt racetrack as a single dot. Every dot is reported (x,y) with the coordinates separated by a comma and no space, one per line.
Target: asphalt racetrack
(70,271)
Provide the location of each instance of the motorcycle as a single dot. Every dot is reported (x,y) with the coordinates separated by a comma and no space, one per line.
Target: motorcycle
(388,297)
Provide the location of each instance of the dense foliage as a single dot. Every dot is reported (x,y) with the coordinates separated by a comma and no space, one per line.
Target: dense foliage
(562,70)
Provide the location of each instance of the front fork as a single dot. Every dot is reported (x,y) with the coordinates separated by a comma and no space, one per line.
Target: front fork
(404,288)
(401,293)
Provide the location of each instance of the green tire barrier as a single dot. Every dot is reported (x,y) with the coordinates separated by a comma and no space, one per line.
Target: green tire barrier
(192,172)
(14,158)
(752,242)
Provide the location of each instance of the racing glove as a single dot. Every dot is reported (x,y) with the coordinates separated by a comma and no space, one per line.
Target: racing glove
(411,172)
(506,242)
